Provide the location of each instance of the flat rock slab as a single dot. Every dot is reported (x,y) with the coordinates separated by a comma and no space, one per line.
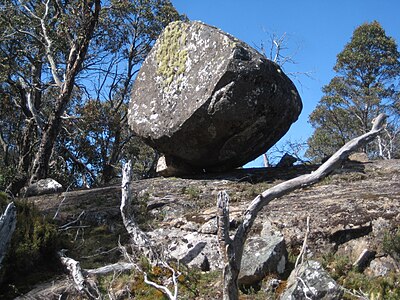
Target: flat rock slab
(210,101)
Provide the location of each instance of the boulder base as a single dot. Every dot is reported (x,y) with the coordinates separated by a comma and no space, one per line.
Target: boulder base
(210,101)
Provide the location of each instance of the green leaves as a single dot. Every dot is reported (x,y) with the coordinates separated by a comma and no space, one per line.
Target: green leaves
(94,135)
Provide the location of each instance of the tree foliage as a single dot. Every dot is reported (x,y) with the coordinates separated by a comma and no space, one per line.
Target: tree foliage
(366,84)
(66,70)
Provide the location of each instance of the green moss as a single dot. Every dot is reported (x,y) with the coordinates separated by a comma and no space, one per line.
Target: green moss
(171,58)
(32,254)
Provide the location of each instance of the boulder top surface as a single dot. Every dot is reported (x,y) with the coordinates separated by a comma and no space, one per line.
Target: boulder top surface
(210,100)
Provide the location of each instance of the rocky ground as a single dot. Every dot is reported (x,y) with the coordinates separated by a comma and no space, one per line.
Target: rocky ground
(350,212)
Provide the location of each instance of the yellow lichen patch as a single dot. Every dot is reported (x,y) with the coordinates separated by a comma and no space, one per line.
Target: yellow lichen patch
(171,57)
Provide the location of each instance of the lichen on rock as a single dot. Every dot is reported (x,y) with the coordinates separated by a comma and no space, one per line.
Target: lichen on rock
(171,58)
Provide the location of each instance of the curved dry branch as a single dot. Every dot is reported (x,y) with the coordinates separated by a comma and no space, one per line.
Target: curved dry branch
(139,238)
(305,180)
(82,284)
(232,250)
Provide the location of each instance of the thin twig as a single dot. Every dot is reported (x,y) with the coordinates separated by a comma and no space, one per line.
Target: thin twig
(304,247)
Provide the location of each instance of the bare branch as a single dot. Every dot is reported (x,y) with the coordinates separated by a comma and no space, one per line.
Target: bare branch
(304,247)
(82,284)
(117,267)
(63,227)
(165,290)
(234,251)
(141,240)
(223,222)
(48,42)
(305,180)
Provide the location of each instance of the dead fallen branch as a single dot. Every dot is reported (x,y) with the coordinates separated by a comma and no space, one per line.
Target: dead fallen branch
(303,251)
(8,221)
(141,241)
(81,281)
(232,248)
(117,267)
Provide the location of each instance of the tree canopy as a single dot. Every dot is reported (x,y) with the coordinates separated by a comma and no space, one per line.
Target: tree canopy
(66,70)
(366,84)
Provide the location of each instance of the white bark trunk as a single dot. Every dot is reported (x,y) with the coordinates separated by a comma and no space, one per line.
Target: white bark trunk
(139,238)
(8,221)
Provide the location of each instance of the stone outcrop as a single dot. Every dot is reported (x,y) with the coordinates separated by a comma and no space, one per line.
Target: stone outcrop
(190,247)
(208,101)
(349,212)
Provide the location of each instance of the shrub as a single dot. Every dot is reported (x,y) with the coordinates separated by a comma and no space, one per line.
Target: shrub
(391,244)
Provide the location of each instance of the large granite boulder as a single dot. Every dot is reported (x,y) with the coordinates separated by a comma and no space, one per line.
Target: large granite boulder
(208,100)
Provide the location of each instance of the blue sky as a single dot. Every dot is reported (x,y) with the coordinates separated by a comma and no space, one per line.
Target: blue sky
(317,30)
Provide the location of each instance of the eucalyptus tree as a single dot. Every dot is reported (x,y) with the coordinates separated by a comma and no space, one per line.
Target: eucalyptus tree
(128,31)
(58,59)
(366,84)
(45,46)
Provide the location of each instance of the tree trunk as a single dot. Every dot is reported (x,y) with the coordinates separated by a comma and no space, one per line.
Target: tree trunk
(25,153)
(76,58)
(231,275)
(40,166)
(140,239)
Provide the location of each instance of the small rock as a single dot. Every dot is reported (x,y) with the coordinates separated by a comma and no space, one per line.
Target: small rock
(210,227)
(363,260)
(44,186)
(170,166)
(361,157)
(382,266)
(311,281)
(272,285)
(190,226)
(178,222)
(192,249)
(354,248)
(269,229)
(262,255)
(287,160)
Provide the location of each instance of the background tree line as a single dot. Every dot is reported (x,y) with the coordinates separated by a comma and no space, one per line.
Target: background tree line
(66,70)
(367,83)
